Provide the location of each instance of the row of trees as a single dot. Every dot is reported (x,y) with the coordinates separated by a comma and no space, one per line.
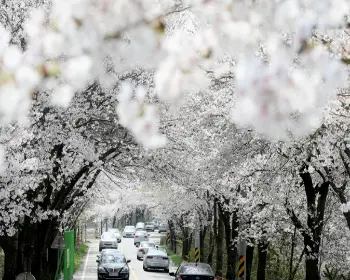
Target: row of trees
(229,181)
(234,184)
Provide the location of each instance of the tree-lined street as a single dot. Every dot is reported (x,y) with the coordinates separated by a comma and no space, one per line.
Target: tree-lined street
(222,122)
(89,266)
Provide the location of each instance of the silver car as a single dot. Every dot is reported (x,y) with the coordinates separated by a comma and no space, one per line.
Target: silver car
(143,249)
(149,227)
(140,236)
(163,228)
(108,241)
(117,233)
(129,231)
(156,259)
(140,226)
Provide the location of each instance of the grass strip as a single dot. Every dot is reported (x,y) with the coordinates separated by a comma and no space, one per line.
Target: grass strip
(176,259)
(79,255)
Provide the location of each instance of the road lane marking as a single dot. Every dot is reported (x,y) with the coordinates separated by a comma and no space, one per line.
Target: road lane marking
(85,265)
(130,267)
(133,273)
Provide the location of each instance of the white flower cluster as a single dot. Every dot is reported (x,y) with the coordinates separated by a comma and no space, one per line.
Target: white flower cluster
(138,116)
(65,50)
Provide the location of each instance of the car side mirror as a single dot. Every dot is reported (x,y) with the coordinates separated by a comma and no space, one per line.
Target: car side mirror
(128,261)
(172,273)
(137,245)
(98,261)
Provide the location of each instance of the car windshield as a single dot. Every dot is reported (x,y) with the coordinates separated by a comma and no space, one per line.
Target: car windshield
(200,268)
(139,232)
(147,244)
(156,252)
(108,236)
(112,258)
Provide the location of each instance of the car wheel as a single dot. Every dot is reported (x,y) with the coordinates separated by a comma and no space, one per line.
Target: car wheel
(145,268)
(138,258)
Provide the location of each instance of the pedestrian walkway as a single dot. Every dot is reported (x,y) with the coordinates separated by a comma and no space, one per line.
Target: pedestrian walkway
(88,267)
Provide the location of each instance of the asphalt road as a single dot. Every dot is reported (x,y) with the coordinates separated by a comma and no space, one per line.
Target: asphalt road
(89,266)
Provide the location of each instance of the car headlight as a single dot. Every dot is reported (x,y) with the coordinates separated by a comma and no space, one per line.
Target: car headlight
(125,269)
(101,269)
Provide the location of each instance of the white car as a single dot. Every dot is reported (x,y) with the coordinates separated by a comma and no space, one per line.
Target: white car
(140,236)
(149,227)
(156,259)
(108,241)
(117,233)
(129,231)
(143,249)
(140,226)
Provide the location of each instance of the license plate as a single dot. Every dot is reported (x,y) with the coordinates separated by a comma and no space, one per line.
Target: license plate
(113,274)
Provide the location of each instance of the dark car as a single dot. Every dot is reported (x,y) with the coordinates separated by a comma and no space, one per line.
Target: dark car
(112,265)
(193,271)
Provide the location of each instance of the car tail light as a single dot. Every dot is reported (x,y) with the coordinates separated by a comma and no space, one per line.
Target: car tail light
(179,278)
(136,236)
(141,250)
(149,257)
(146,236)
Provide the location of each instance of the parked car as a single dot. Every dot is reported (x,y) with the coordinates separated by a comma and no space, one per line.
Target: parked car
(117,233)
(156,259)
(189,271)
(156,225)
(108,241)
(112,265)
(163,228)
(149,227)
(140,226)
(143,249)
(140,236)
(129,231)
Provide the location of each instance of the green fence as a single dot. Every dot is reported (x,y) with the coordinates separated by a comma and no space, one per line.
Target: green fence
(68,265)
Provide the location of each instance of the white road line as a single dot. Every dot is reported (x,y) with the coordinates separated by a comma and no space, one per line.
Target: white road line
(85,265)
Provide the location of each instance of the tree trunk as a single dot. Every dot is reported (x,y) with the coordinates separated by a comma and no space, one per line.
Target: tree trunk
(230,247)
(114,222)
(34,254)
(10,248)
(172,236)
(202,234)
(186,244)
(312,269)
(220,246)
(262,251)
(249,261)
(292,254)
(316,197)
(211,248)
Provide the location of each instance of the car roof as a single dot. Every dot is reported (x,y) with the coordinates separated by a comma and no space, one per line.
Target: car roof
(193,268)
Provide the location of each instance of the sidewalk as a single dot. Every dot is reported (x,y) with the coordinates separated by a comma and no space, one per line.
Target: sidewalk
(88,265)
